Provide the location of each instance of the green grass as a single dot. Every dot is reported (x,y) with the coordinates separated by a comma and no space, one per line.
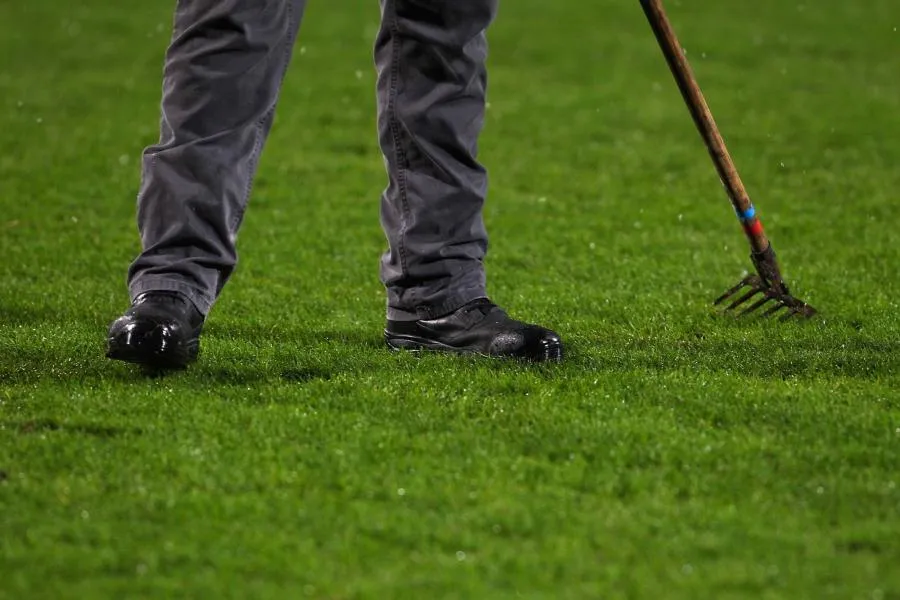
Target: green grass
(676,454)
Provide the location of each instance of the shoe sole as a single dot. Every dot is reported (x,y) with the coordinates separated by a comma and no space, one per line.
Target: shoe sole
(175,357)
(553,353)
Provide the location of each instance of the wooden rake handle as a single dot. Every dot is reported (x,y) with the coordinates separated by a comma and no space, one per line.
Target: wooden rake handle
(703,118)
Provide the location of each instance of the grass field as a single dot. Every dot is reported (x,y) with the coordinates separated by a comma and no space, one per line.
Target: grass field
(676,454)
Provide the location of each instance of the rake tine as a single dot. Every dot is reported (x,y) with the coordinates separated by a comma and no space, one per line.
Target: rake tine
(749,281)
(755,305)
(743,299)
(790,315)
(773,310)
(742,284)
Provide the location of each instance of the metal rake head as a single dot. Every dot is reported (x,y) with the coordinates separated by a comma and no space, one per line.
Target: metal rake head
(772,301)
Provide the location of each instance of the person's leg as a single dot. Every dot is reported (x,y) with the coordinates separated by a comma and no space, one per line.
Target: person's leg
(223,72)
(432,83)
(430,56)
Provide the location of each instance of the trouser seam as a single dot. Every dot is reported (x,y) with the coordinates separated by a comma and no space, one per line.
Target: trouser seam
(399,154)
(260,125)
(254,157)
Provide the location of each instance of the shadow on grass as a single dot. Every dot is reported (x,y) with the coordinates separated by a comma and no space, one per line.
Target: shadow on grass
(38,426)
(859,358)
(247,354)
(23,314)
(277,333)
(296,356)
(12,314)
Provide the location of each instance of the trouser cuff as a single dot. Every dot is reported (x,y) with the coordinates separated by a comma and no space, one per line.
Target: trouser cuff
(201,301)
(451,304)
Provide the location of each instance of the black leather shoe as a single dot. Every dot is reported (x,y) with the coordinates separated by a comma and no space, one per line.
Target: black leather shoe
(479,327)
(160,330)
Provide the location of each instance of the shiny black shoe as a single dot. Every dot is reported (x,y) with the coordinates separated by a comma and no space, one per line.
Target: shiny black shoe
(479,327)
(161,330)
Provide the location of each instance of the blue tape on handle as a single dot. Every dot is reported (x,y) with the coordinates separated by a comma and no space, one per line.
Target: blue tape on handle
(747,214)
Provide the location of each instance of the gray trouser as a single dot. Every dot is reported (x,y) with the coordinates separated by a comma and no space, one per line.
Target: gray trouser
(223,71)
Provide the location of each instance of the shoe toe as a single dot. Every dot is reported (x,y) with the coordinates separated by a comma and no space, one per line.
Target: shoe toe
(150,341)
(144,334)
(509,343)
(542,344)
(532,342)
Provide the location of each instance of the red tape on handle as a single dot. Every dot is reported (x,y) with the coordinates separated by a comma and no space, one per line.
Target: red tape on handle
(753,227)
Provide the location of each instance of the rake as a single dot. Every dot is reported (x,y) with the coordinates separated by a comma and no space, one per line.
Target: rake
(767,289)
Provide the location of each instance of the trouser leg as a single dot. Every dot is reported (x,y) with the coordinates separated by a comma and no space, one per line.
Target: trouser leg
(430,56)
(223,72)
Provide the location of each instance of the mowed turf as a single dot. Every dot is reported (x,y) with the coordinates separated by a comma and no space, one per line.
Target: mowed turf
(676,453)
